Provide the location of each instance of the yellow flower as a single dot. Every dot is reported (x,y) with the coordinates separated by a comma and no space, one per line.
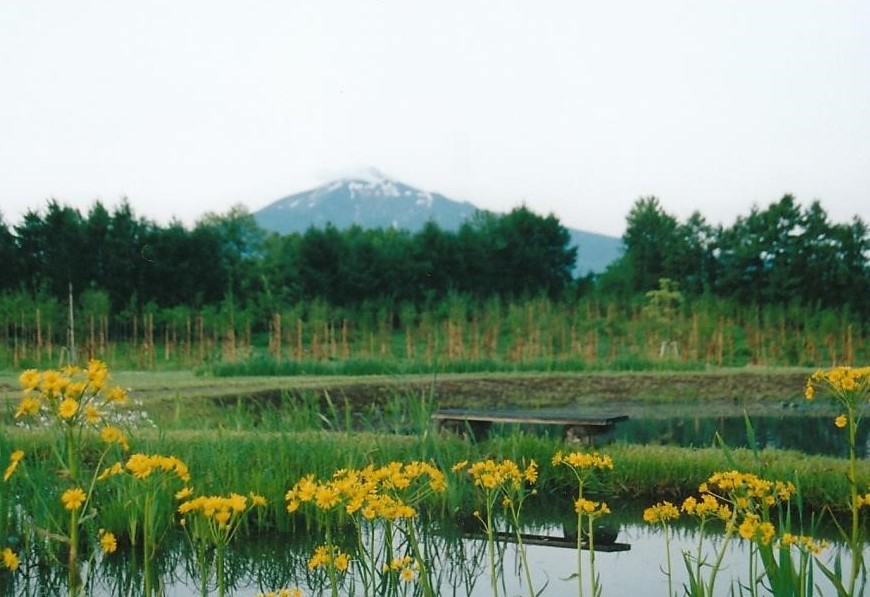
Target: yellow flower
(320,557)
(531,472)
(29,380)
(294,592)
(92,414)
(14,459)
(184,493)
(661,513)
(53,383)
(841,421)
(111,471)
(581,460)
(341,562)
(10,560)
(407,574)
(28,406)
(73,498)
(459,466)
(326,497)
(237,502)
(222,518)
(258,500)
(68,408)
(116,394)
(594,509)
(108,543)
(97,373)
(112,435)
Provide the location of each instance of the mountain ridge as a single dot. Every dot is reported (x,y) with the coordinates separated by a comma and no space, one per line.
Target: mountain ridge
(372,200)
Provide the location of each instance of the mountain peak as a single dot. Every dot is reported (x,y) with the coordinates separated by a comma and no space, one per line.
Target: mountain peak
(366,198)
(370,199)
(367,174)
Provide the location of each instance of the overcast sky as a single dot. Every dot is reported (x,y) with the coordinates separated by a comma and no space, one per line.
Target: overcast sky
(575,108)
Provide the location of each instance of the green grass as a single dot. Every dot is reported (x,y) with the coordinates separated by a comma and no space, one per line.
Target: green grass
(224,460)
(267,366)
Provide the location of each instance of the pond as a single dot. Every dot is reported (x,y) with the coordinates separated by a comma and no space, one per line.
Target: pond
(459,566)
(811,431)
(808,434)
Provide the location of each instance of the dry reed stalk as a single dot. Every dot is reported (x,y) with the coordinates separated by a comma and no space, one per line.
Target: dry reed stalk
(188,337)
(228,347)
(849,348)
(333,343)
(200,338)
(409,342)
(345,338)
(275,336)
(38,337)
(316,351)
(148,345)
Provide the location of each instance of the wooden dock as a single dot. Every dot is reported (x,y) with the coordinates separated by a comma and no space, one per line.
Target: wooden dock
(589,429)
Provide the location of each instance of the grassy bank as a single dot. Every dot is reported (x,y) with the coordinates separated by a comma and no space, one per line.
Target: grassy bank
(181,398)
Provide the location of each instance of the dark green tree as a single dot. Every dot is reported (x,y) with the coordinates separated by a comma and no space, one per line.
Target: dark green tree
(9,257)
(321,254)
(654,246)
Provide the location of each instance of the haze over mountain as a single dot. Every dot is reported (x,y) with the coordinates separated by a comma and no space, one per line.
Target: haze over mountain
(371,200)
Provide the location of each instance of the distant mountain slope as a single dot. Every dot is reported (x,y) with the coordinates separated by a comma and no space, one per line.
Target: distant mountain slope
(374,201)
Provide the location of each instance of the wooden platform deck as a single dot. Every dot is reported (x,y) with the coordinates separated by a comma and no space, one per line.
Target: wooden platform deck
(584,429)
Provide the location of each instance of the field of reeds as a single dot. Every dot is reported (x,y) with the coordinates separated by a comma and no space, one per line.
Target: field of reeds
(460,335)
(102,484)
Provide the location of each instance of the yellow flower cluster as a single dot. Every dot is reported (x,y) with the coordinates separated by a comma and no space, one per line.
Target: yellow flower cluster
(803,542)
(294,592)
(74,395)
(590,508)
(661,513)
(862,500)
(707,507)
(754,529)
(223,511)
(748,490)
(9,559)
(142,466)
(731,496)
(385,492)
(847,385)
(14,459)
(583,460)
(489,474)
(325,555)
(406,567)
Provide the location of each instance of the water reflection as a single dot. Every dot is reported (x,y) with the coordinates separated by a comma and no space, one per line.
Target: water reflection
(458,561)
(811,435)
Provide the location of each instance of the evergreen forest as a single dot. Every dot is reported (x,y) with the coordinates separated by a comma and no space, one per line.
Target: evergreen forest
(781,286)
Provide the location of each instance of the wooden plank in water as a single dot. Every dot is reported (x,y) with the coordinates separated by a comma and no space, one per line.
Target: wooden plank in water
(551,541)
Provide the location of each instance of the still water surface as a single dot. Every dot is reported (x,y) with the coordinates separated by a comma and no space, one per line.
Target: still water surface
(638,570)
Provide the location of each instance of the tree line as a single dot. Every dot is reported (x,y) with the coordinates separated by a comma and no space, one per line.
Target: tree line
(115,262)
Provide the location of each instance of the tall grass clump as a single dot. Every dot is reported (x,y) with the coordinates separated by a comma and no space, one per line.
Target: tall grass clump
(849,389)
(72,404)
(583,466)
(502,485)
